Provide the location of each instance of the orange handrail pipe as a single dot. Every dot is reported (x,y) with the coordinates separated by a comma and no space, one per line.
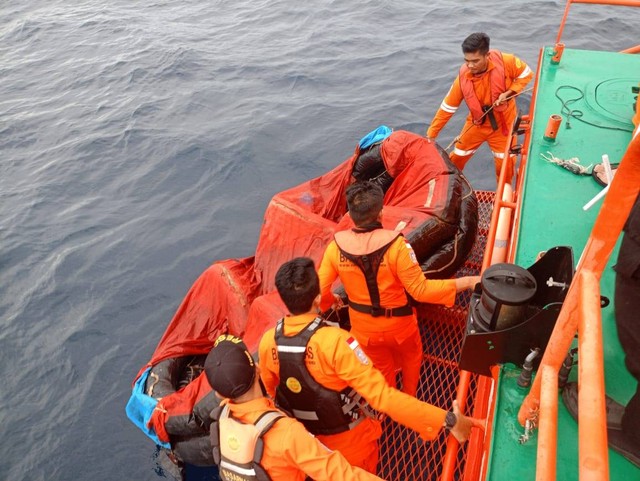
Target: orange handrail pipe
(548,431)
(451,452)
(593,451)
(503,228)
(592,414)
(624,3)
(606,230)
(528,120)
(481,408)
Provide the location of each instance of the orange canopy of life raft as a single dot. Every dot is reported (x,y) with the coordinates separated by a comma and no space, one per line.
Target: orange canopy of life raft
(428,200)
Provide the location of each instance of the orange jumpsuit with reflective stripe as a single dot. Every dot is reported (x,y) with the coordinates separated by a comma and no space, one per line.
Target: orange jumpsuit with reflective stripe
(517,76)
(388,341)
(335,360)
(291,453)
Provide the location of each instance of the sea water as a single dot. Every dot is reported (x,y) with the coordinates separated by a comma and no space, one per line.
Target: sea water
(142,141)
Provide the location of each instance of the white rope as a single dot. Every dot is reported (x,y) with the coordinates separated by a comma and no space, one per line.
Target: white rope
(572,165)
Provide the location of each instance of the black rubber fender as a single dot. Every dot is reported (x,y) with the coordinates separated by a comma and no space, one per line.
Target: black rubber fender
(189,434)
(369,164)
(451,255)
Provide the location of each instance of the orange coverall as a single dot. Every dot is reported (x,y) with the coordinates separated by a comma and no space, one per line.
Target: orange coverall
(292,453)
(517,76)
(335,360)
(388,341)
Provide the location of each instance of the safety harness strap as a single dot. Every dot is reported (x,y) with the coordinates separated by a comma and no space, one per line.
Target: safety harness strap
(380,311)
(263,424)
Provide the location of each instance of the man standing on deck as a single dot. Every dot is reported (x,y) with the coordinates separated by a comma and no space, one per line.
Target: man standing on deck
(378,268)
(626,440)
(487,81)
(320,374)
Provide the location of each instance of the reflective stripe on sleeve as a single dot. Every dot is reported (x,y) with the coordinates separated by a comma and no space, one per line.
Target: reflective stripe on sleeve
(448,108)
(525,72)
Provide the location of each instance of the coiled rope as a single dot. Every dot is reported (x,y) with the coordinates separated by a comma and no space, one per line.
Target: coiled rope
(577,114)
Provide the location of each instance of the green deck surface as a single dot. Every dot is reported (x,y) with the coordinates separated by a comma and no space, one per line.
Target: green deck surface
(552,215)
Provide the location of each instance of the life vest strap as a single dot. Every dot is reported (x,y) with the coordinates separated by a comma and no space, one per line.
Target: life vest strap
(405,310)
(488,111)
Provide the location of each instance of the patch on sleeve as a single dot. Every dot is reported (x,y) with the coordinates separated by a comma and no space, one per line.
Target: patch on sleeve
(518,63)
(355,347)
(412,254)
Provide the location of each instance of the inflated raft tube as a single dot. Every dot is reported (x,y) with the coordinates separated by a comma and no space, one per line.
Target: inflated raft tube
(443,242)
(370,166)
(448,258)
(189,433)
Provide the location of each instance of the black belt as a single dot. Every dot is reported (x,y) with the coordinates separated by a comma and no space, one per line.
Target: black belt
(406,310)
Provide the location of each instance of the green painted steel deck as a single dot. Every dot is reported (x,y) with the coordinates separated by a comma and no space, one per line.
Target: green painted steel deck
(596,86)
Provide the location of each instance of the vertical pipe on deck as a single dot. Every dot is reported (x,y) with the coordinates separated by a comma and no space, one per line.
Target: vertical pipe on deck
(548,428)
(564,20)
(592,413)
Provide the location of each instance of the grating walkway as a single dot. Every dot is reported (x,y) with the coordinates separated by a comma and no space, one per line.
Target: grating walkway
(403,455)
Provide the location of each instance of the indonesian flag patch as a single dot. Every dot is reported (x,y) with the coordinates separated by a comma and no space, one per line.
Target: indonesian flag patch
(412,254)
(355,347)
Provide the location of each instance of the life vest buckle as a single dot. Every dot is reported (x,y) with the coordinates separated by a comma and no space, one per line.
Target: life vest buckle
(381,311)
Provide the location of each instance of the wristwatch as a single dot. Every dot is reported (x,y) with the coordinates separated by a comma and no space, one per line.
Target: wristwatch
(450,421)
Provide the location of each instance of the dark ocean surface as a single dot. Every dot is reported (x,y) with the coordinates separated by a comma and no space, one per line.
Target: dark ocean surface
(141,141)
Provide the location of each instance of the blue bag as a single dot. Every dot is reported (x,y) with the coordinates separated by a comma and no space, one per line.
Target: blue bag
(140,407)
(377,135)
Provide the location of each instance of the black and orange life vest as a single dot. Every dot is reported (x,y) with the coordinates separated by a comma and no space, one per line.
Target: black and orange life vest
(320,409)
(369,264)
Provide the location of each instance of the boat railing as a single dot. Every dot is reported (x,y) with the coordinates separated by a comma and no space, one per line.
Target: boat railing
(580,313)
(623,3)
(504,210)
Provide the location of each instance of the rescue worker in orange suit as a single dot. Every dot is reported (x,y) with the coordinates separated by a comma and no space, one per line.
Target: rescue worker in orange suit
(289,451)
(487,81)
(377,268)
(320,374)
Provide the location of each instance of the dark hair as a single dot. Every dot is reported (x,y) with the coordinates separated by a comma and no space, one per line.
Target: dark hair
(298,284)
(476,42)
(364,201)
